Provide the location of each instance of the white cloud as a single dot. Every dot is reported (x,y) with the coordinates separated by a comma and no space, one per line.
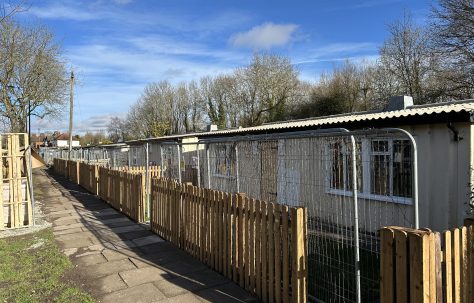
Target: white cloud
(60,11)
(338,52)
(265,36)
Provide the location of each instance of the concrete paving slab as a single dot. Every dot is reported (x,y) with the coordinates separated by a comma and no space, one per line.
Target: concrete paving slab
(212,295)
(110,284)
(70,226)
(127,244)
(137,234)
(207,277)
(67,231)
(75,236)
(178,286)
(66,222)
(89,259)
(124,229)
(145,293)
(113,255)
(229,292)
(144,275)
(147,240)
(104,269)
(75,243)
(67,217)
(183,298)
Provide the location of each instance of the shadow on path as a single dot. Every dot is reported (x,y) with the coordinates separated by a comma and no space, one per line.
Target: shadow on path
(119,260)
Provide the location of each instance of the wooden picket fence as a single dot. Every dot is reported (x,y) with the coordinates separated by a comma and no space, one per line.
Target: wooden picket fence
(424,266)
(60,167)
(153,171)
(124,191)
(89,177)
(73,171)
(259,245)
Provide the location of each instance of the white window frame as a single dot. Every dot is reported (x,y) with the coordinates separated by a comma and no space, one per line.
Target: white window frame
(365,191)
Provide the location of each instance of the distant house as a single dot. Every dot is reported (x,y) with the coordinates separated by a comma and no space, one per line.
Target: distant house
(62,141)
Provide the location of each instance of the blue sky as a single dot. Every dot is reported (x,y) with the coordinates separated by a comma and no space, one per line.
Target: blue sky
(116,47)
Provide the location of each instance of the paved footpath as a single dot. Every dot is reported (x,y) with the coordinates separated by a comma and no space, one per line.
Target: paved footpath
(119,260)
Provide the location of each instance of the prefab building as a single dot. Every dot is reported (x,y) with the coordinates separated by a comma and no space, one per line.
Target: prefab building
(314,170)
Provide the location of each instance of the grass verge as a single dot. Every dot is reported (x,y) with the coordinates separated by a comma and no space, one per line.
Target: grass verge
(32,269)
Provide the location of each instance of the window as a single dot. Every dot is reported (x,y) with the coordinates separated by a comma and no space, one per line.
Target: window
(341,166)
(384,169)
(224,160)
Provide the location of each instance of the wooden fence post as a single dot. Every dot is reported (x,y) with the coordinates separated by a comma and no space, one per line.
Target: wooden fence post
(299,272)
(387,273)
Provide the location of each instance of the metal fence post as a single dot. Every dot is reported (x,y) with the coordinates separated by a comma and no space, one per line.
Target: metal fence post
(179,162)
(198,166)
(237,167)
(356,219)
(162,168)
(208,167)
(147,180)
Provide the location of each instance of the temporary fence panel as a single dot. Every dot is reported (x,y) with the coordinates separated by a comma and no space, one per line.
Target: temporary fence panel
(118,157)
(124,191)
(89,177)
(424,266)
(137,155)
(316,171)
(15,204)
(48,154)
(259,245)
(171,161)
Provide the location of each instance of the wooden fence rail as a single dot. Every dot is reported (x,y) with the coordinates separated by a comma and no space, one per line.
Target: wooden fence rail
(124,191)
(425,266)
(259,245)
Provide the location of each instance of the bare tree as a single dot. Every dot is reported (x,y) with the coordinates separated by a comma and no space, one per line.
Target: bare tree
(155,114)
(453,35)
(33,79)
(7,10)
(264,88)
(117,130)
(454,27)
(218,96)
(406,55)
(195,109)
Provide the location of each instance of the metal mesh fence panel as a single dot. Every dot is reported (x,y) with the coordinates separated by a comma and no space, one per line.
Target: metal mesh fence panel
(171,161)
(317,172)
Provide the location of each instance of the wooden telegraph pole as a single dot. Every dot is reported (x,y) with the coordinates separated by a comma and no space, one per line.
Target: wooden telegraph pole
(71,110)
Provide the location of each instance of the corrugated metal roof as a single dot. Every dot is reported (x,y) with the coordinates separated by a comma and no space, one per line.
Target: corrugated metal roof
(412,111)
(417,110)
(165,138)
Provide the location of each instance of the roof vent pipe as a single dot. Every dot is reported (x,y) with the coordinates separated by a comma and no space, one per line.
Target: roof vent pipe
(399,103)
